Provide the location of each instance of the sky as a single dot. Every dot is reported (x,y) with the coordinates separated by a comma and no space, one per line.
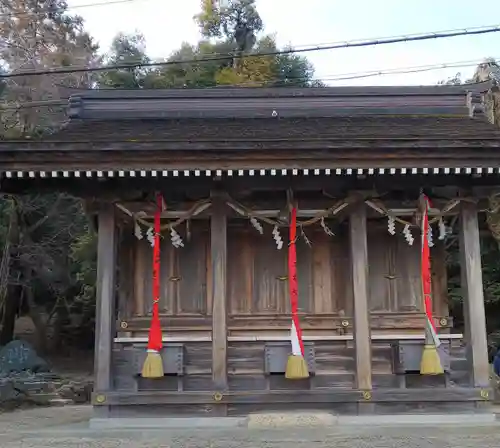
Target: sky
(167,23)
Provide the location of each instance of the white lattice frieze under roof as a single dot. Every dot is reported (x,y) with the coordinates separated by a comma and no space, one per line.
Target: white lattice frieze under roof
(250,172)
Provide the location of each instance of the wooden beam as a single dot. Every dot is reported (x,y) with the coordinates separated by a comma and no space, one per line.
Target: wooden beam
(105,307)
(286,338)
(310,204)
(339,395)
(139,323)
(218,243)
(359,260)
(472,286)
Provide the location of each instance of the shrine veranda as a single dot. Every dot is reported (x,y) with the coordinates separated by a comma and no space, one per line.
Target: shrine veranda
(228,163)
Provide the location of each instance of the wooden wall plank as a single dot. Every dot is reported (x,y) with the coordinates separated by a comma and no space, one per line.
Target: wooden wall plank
(198,358)
(240,270)
(270,285)
(257,283)
(184,285)
(259,270)
(140,273)
(342,273)
(394,272)
(246,358)
(439,279)
(192,284)
(208,264)
(169,273)
(324,276)
(379,271)
(125,262)
(408,293)
(304,273)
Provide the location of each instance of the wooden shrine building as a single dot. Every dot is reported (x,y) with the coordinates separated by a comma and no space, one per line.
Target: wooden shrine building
(227,164)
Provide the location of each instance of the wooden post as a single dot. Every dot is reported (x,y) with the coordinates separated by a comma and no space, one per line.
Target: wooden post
(359,262)
(218,245)
(472,286)
(105,306)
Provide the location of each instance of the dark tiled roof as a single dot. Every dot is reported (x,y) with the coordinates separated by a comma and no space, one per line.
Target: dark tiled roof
(340,128)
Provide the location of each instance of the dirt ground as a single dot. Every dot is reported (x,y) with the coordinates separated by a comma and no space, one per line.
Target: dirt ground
(68,427)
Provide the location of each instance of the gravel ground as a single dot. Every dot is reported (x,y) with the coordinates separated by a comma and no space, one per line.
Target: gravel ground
(66,427)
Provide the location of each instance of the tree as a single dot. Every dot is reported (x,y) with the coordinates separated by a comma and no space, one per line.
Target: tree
(231,31)
(37,35)
(288,69)
(452,81)
(40,229)
(126,49)
(251,72)
(486,70)
(281,70)
(191,74)
(236,21)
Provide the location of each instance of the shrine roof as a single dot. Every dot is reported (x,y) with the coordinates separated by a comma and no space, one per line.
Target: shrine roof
(269,103)
(113,114)
(438,121)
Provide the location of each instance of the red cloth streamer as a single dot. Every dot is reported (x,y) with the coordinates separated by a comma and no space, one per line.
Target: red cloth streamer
(426,265)
(155,335)
(292,277)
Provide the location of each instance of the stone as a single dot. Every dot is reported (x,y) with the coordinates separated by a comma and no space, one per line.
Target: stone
(77,391)
(59,402)
(19,356)
(7,391)
(291,419)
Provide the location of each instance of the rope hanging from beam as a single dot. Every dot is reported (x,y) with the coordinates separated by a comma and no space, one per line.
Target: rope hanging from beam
(256,220)
(379,207)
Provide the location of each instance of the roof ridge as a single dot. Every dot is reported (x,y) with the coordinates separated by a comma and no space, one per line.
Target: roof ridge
(280,92)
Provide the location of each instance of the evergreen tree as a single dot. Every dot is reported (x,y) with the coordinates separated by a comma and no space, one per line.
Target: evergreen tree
(38,35)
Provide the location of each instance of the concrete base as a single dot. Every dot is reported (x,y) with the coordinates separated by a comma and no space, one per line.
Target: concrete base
(167,423)
(291,420)
(418,419)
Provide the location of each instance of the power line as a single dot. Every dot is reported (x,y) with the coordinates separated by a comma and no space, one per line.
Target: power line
(370,73)
(407,70)
(63,10)
(338,77)
(334,46)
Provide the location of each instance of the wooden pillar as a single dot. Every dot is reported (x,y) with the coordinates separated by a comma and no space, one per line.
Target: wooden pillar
(105,305)
(218,248)
(472,287)
(359,262)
